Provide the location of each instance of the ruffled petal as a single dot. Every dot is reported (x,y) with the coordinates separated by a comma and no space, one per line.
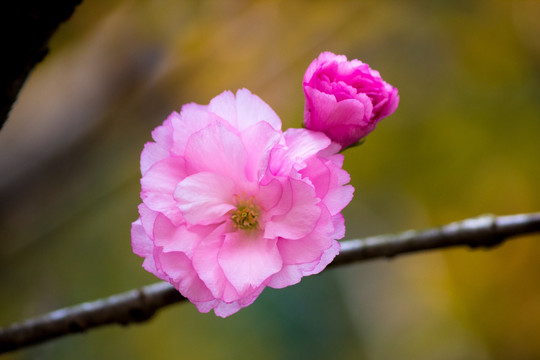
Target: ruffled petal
(204,198)
(252,110)
(269,196)
(318,174)
(248,260)
(215,149)
(140,242)
(224,309)
(310,247)
(328,179)
(205,263)
(287,276)
(301,145)
(300,219)
(244,110)
(224,106)
(148,217)
(323,60)
(160,149)
(177,266)
(276,198)
(338,197)
(158,185)
(339,226)
(178,238)
(259,140)
(192,119)
(142,245)
(318,108)
(221,309)
(322,263)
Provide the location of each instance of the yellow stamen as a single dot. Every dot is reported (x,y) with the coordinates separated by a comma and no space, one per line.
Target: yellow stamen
(246,215)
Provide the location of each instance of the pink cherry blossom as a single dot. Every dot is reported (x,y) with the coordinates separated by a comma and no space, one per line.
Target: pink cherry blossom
(345,99)
(231,204)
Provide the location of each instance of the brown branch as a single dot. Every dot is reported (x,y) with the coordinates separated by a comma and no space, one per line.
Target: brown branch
(125,308)
(484,231)
(141,304)
(27,26)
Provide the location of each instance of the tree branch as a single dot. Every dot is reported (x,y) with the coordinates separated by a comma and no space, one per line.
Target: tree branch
(141,304)
(27,26)
(483,231)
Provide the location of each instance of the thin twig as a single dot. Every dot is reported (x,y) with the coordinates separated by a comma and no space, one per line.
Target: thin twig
(128,307)
(483,231)
(141,304)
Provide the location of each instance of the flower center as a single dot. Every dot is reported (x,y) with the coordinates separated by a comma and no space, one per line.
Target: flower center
(246,215)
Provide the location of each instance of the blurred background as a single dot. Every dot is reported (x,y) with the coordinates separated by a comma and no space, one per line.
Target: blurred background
(464,141)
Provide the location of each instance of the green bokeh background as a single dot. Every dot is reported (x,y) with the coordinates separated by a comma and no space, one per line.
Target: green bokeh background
(464,141)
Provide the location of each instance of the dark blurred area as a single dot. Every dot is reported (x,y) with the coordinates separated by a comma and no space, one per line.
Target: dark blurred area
(464,141)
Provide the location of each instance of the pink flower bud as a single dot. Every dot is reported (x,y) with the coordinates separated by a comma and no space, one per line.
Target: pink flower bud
(345,99)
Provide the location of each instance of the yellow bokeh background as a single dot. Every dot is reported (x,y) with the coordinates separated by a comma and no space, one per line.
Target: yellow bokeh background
(464,141)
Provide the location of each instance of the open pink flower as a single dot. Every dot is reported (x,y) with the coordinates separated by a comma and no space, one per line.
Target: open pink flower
(231,204)
(345,99)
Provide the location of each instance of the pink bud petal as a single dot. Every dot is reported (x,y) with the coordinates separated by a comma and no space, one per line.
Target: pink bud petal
(345,99)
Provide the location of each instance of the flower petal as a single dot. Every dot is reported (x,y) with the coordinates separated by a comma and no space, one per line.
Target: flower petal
(205,197)
(177,266)
(192,118)
(248,260)
(287,276)
(142,245)
(148,217)
(221,309)
(224,106)
(271,195)
(322,263)
(216,149)
(178,238)
(339,226)
(244,110)
(160,149)
(205,263)
(301,144)
(338,197)
(318,174)
(224,309)
(259,140)
(310,247)
(251,110)
(302,216)
(158,185)
(324,59)
(140,242)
